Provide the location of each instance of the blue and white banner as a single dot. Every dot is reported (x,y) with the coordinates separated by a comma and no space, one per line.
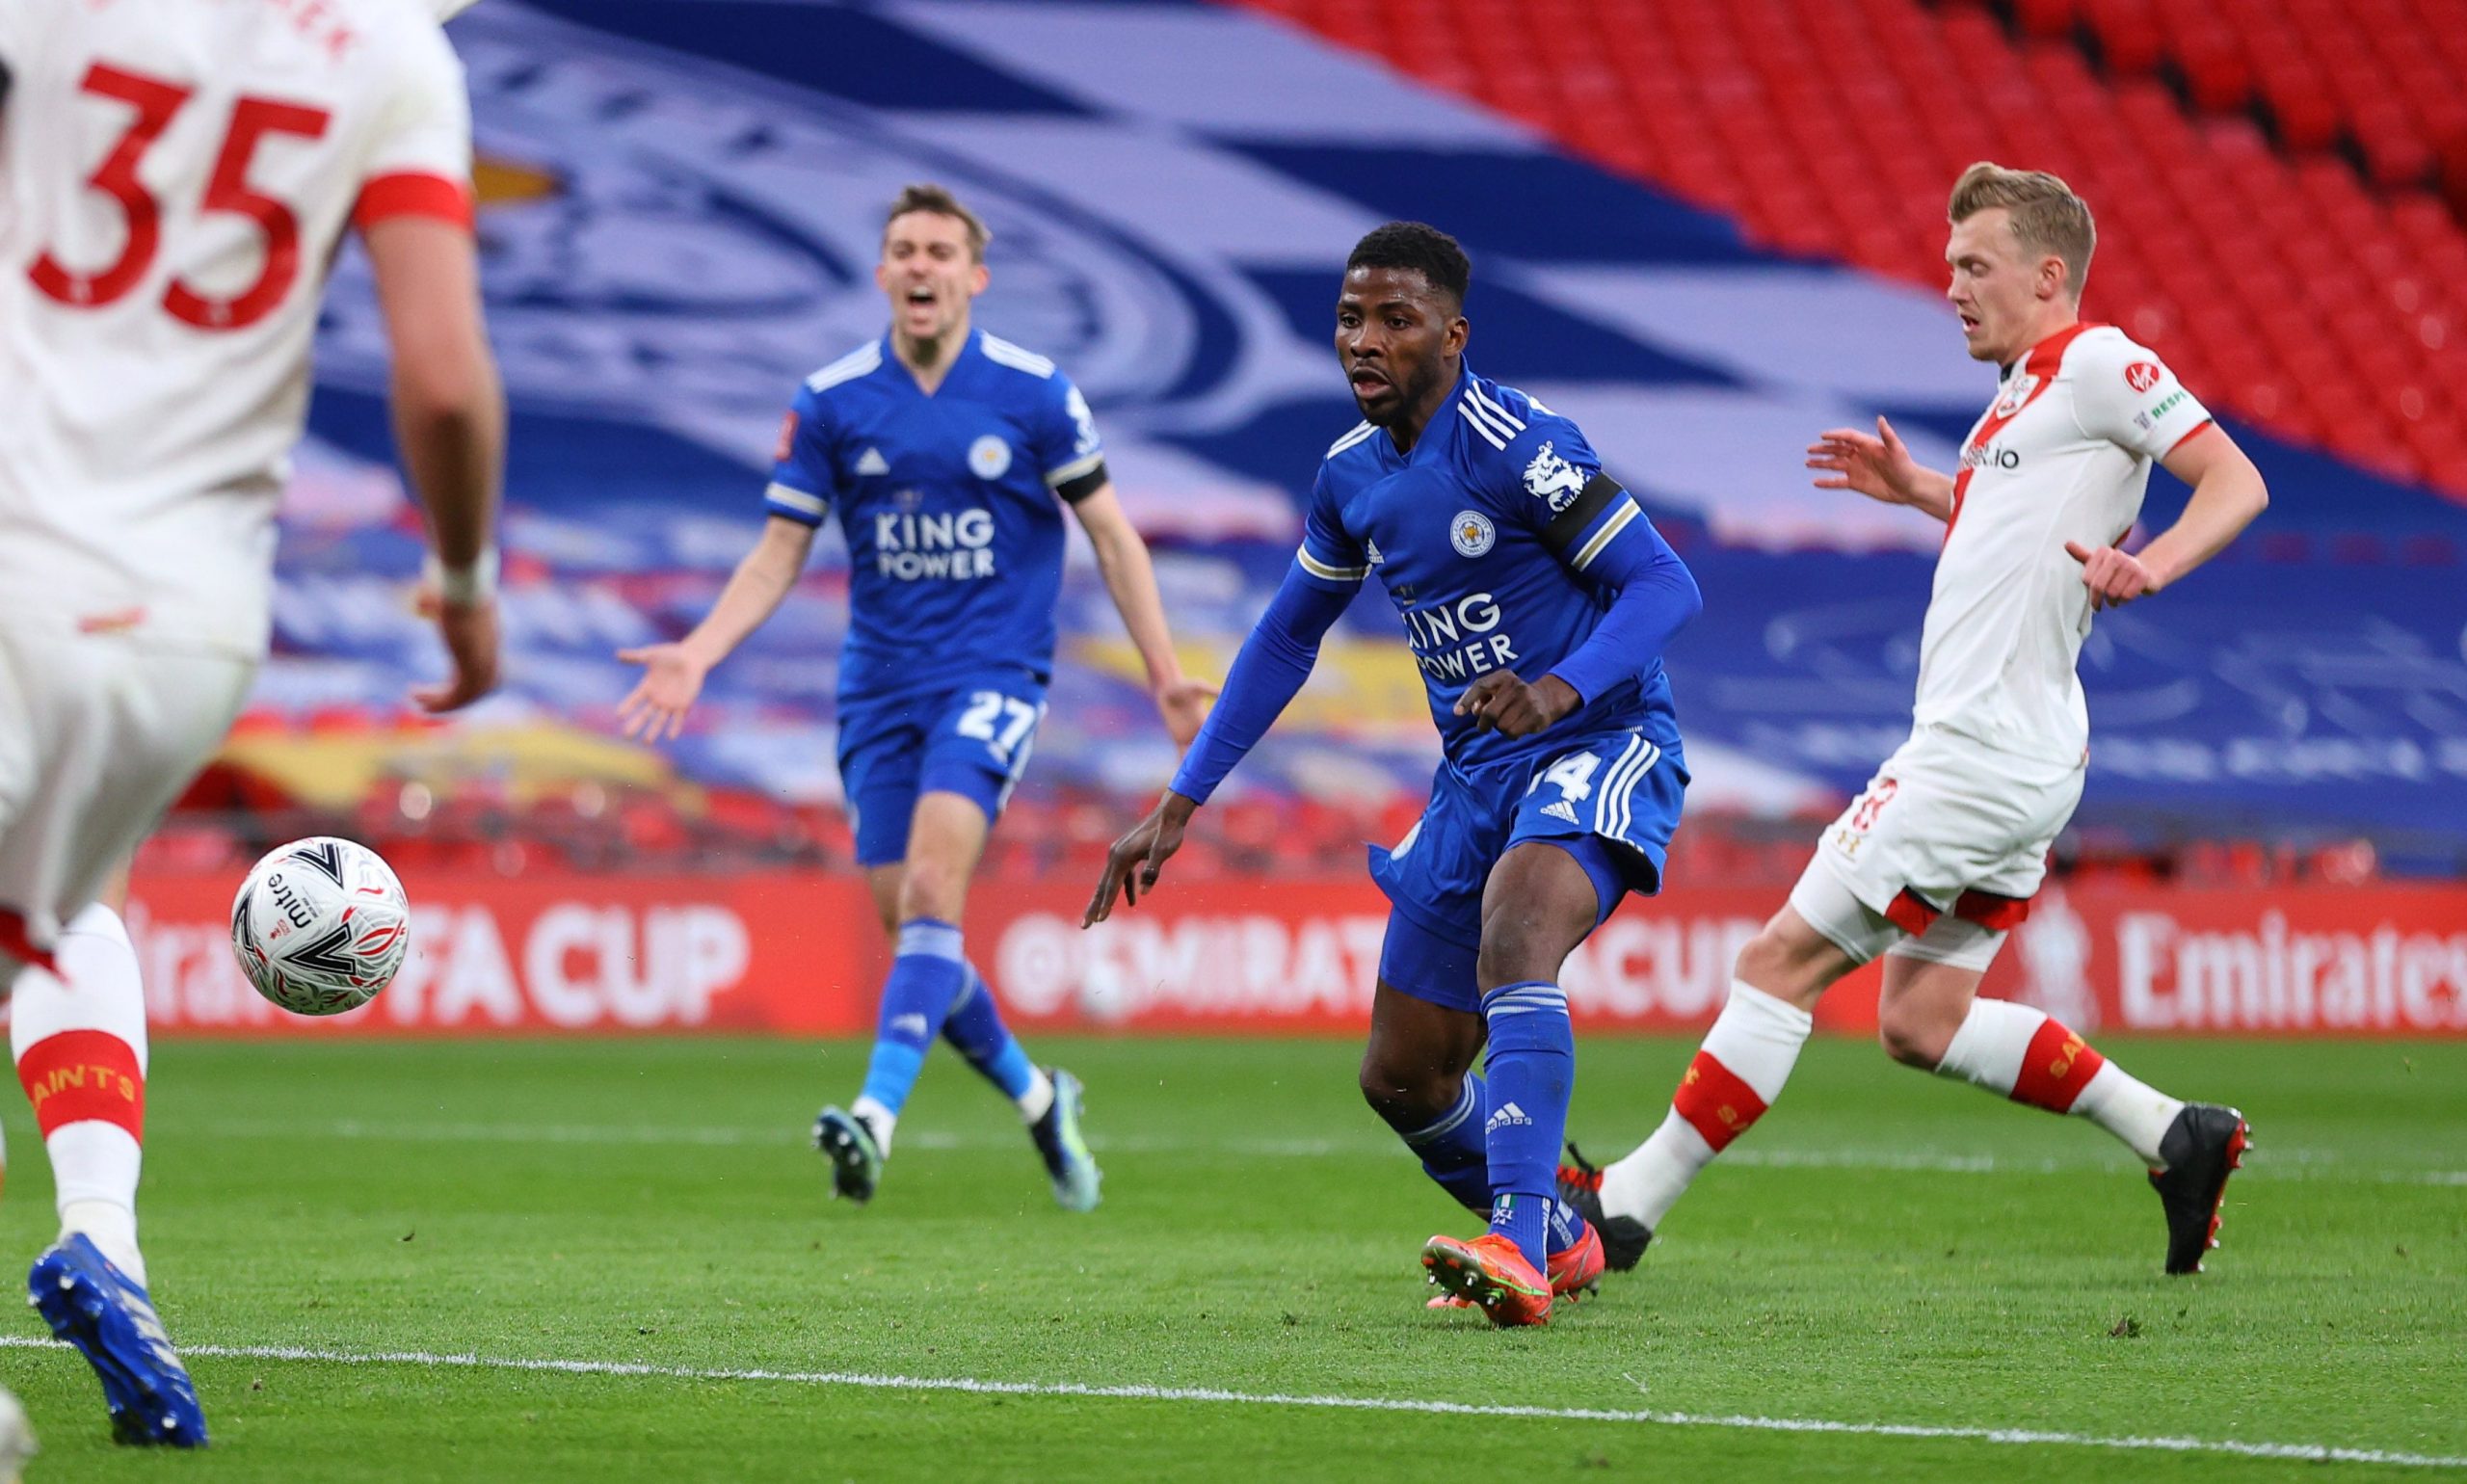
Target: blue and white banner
(681,205)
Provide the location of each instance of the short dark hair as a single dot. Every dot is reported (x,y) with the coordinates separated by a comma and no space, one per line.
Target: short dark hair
(1419,248)
(925,196)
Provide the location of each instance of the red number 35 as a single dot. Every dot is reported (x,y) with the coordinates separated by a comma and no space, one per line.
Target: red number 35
(156,102)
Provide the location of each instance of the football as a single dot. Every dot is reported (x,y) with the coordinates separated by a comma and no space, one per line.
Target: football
(321,925)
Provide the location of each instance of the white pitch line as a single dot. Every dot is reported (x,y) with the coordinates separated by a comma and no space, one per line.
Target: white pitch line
(2272,1165)
(2307,1452)
(767,1137)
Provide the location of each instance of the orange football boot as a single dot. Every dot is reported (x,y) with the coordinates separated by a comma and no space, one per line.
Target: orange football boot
(1575,1272)
(1490,1273)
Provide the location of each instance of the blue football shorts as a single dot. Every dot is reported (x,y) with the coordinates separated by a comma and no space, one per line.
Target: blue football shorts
(971,737)
(1610,799)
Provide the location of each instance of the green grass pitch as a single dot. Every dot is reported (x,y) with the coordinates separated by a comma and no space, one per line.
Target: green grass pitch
(1885,1249)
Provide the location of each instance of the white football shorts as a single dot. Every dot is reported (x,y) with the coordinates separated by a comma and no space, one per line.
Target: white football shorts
(98,735)
(1940,854)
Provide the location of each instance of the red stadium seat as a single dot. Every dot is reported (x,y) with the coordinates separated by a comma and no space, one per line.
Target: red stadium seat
(2047,17)
(2217,73)
(2129,34)
(2292,289)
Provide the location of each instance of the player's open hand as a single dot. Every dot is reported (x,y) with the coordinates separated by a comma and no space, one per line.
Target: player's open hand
(656,707)
(2113,577)
(1500,703)
(470,634)
(1183,704)
(1878,465)
(1132,865)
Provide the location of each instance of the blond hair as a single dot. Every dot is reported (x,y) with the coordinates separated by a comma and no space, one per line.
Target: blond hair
(2048,219)
(925,196)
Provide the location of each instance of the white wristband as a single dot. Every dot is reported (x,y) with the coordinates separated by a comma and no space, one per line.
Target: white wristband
(465,586)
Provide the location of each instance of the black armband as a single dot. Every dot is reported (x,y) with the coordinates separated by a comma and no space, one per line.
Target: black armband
(1590,502)
(1079,486)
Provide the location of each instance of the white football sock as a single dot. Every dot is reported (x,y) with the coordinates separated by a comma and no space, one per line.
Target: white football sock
(1646,1183)
(111,1227)
(96,997)
(2129,1108)
(1988,1048)
(2018,1052)
(1746,1058)
(1038,1098)
(879,1119)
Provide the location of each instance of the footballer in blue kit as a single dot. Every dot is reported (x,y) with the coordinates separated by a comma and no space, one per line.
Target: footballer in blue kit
(1536,598)
(948,456)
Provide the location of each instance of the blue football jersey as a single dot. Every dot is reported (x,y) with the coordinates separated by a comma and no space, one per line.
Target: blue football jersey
(1482,536)
(951,504)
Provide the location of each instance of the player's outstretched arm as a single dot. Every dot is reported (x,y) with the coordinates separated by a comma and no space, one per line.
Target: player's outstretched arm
(1121,557)
(2228,494)
(1132,864)
(1879,466)
(449,422)
(673,673)
(1275,661)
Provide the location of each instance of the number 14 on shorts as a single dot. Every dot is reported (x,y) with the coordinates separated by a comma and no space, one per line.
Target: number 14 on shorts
(1573,774)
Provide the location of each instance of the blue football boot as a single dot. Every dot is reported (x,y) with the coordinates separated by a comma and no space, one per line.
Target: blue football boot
(93,1306)
(1073,1170)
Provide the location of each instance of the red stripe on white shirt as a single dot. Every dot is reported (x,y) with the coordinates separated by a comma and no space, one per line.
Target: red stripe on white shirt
(412,194)
(2045,359)
(2189,436)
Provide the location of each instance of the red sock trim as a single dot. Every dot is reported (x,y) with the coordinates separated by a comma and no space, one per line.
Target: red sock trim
(1911,912)
(1716,1102)
(84,1075)
(2054,1070)
(18,945)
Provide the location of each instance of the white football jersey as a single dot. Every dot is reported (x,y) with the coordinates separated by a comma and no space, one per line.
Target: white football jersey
(2063,454)
(174,179)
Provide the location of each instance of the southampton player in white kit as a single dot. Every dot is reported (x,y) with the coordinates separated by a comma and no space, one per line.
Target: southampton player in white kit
(1940,856)
(176,178)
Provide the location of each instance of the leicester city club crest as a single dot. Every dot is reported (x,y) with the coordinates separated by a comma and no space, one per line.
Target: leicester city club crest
(988,456)
(1471,533)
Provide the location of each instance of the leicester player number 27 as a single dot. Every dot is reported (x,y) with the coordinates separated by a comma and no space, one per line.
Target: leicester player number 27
(989,710)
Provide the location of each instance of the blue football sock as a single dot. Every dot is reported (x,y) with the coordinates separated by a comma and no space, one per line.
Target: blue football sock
(1567,1224)
(1531,1069)
(925,978)
(975,1030)
(1452,1152)
(1455,1154)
